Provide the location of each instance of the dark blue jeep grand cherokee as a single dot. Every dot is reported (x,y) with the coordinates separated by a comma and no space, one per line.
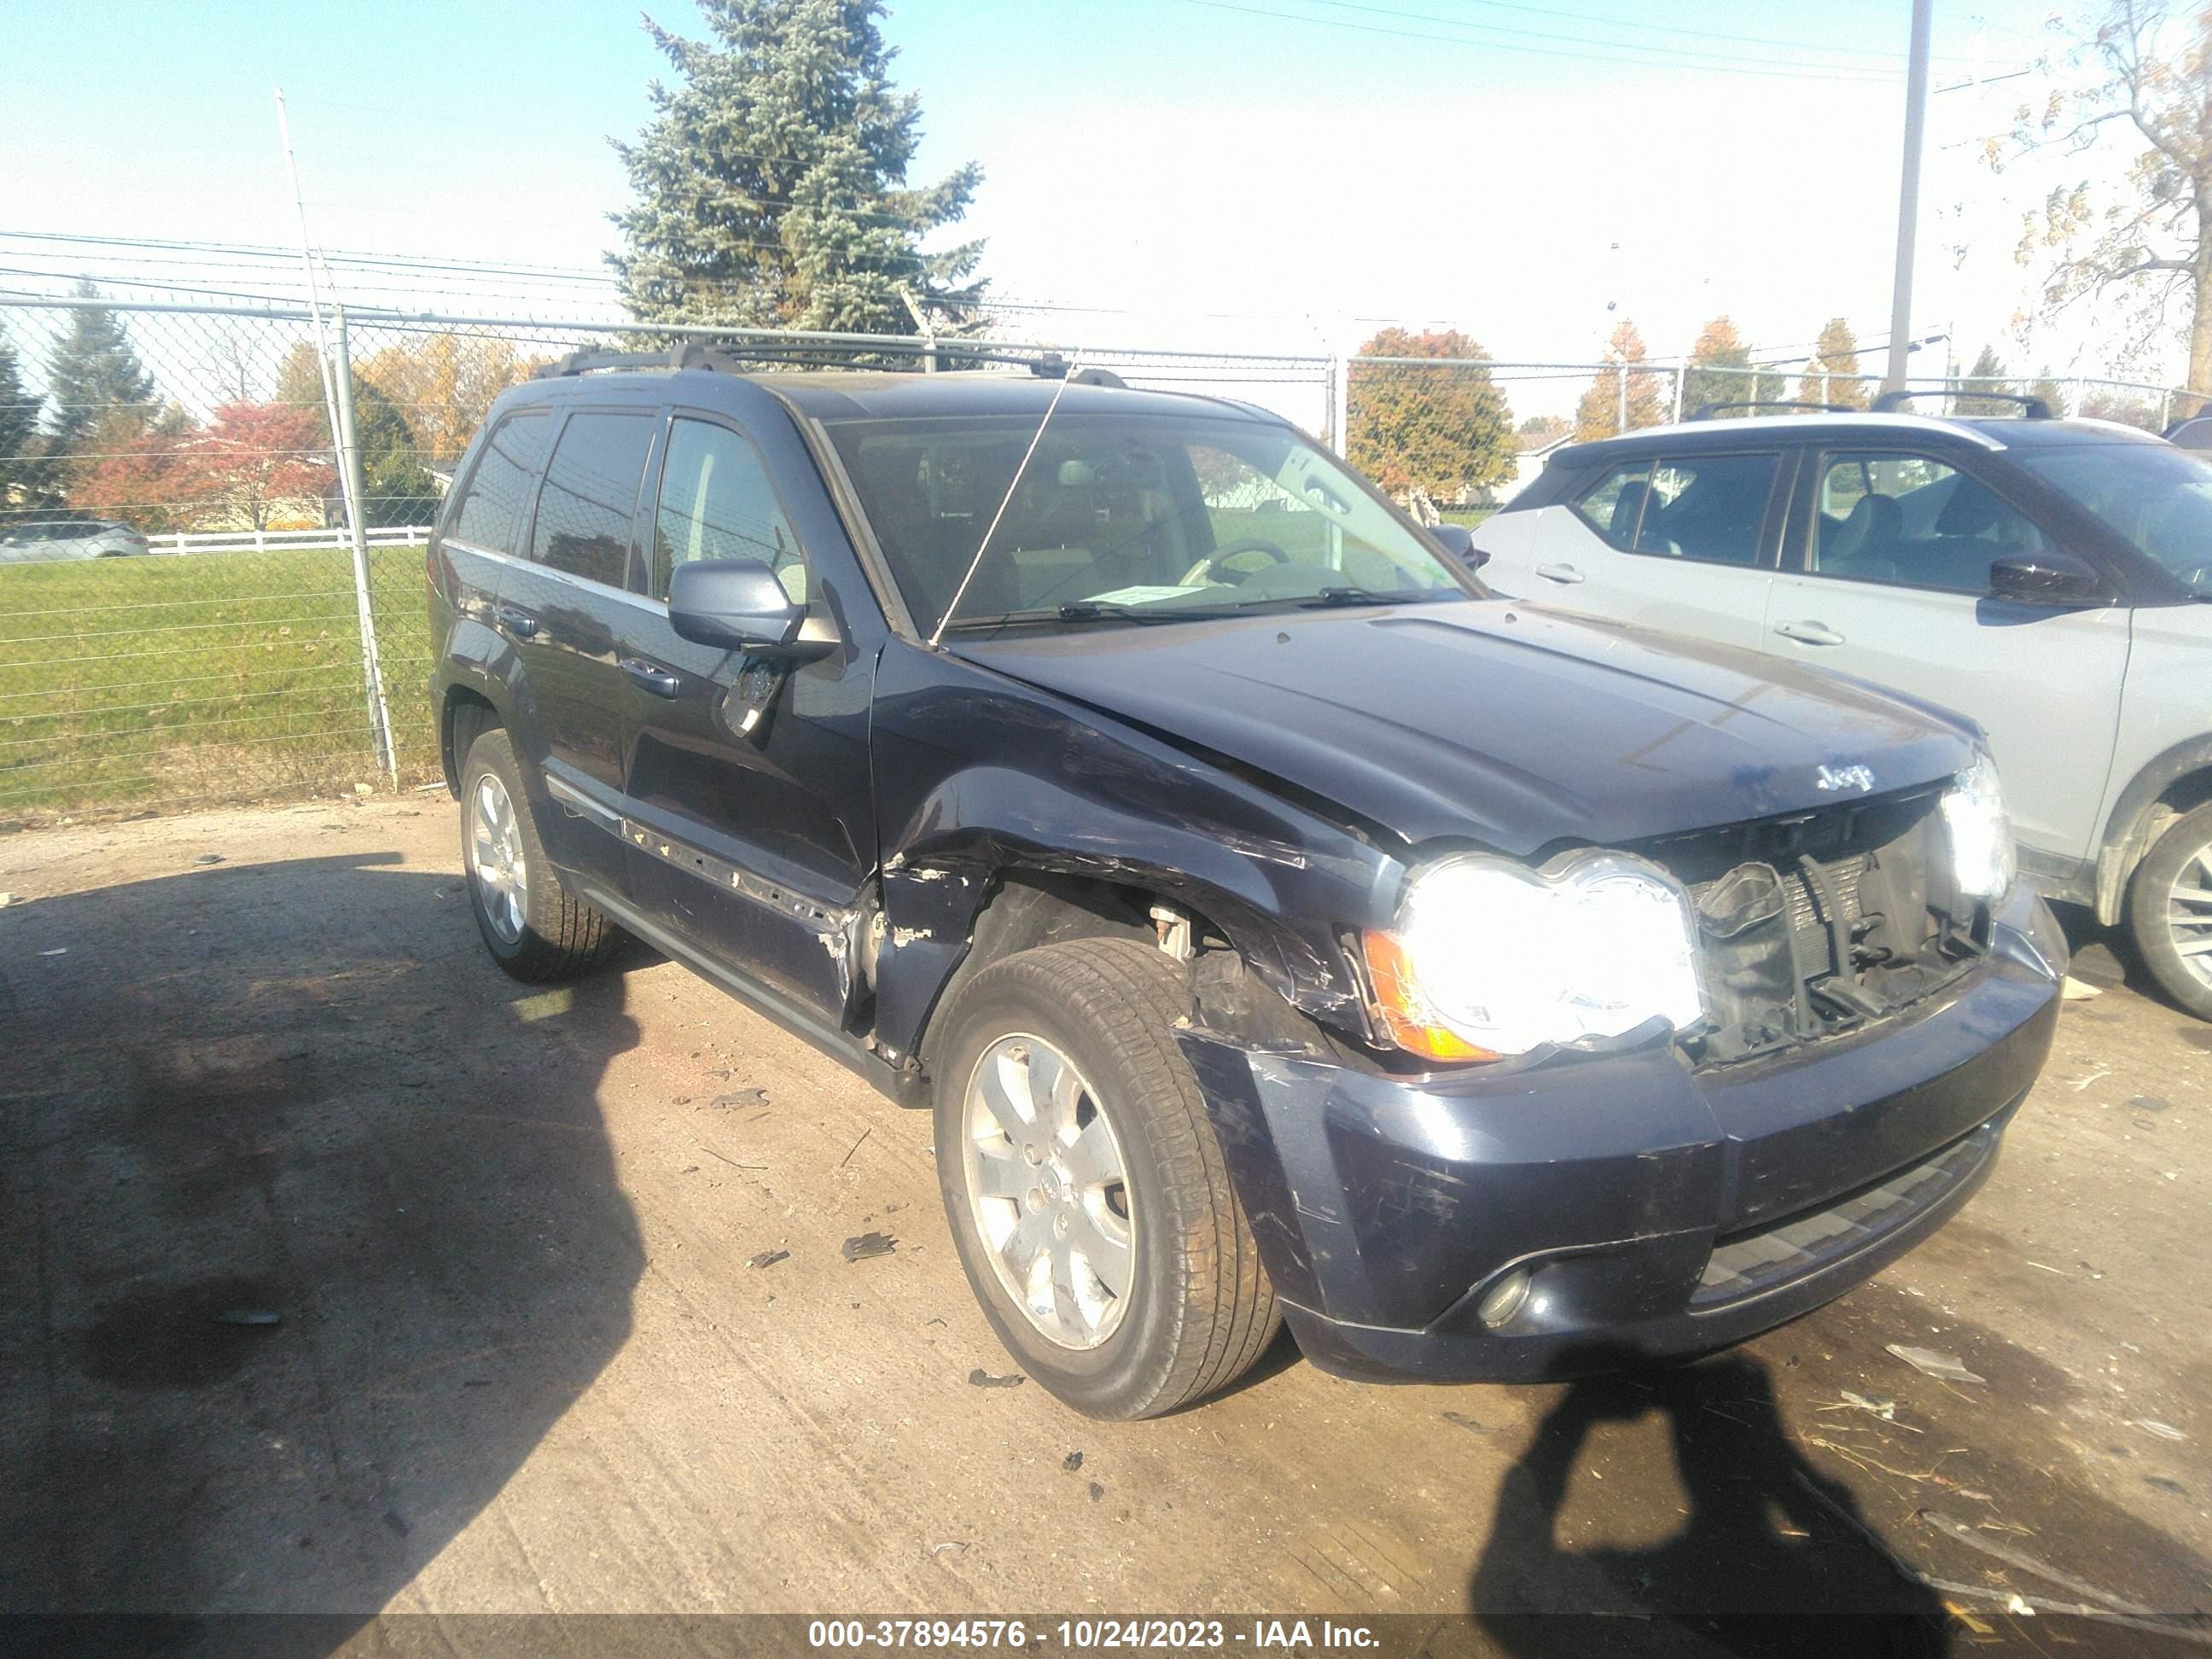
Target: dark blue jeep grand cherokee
(1280,927)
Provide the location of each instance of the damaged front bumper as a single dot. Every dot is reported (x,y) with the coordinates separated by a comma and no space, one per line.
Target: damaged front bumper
(1656,1210)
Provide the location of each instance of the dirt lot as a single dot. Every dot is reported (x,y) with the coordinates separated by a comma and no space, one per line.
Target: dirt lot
(522,1362)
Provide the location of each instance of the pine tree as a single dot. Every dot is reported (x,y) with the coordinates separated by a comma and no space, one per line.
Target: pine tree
(771,183)
(1598,414)
(1836,352)
(95,371)
(2048,390)
(22,470)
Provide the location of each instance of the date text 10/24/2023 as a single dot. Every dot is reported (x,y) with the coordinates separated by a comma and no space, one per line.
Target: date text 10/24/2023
(1088,1635)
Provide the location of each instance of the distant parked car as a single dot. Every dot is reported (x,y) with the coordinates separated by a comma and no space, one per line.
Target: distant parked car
(49,539)
(2048,577)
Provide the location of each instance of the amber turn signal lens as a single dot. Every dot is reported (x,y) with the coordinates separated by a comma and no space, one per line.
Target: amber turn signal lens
(1402,1011)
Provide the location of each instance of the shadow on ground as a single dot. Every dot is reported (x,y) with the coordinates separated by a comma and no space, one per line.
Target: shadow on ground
(312,1230)
(1761,1538)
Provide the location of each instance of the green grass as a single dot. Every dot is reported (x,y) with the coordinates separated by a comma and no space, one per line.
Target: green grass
(155,682)
(1469,516)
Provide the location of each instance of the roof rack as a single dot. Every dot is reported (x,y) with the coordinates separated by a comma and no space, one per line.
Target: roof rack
(733,359)
(1706,411)
(2031,408)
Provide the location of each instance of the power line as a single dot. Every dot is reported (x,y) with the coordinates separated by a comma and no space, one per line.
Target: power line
(1656,51)
(1778,72)
(1660,28)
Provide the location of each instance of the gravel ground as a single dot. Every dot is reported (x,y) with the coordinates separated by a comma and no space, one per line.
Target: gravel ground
(256,1066)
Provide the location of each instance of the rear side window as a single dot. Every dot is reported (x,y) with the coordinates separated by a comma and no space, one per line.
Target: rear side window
(501,483)
(716,502)
(590,495)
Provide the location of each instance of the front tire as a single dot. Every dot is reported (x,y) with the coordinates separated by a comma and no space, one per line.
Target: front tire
(532,925)
(1088,1197)
(2170,911)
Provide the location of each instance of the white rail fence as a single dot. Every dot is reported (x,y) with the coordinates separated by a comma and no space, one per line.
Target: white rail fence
(271,541)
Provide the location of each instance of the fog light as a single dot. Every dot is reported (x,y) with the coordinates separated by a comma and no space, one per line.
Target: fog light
(1503,1299)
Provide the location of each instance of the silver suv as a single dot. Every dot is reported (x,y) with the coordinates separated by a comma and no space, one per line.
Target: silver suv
(2048,577)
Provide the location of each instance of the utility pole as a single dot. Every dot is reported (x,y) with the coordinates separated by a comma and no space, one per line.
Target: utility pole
(1908,197)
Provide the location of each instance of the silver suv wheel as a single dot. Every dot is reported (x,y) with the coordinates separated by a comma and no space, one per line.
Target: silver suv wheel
(1049,1190)
(2189,913)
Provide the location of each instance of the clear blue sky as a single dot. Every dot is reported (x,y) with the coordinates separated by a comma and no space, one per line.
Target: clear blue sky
(1403,159)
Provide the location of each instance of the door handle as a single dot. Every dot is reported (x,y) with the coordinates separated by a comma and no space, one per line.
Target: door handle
(652,677)
(521,624)
(1559,573)
(1808,633)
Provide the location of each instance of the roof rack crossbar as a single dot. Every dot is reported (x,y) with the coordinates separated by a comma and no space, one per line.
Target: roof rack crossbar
(2030,408)
(731,359)
(1706,411)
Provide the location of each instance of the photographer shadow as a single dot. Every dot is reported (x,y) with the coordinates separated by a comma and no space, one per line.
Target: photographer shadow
(1770,1555)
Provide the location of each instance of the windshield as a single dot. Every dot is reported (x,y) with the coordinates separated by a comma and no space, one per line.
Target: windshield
(1126,518)
(2157,497)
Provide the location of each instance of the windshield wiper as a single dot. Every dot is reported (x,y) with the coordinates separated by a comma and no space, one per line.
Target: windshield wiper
(1330,597)
(1088,611)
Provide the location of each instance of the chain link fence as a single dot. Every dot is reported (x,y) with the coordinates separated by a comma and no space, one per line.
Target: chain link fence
(213,518)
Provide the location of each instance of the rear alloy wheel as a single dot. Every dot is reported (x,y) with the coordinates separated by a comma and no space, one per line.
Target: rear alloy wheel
(532,926)
(2170,911)
(1088,1197)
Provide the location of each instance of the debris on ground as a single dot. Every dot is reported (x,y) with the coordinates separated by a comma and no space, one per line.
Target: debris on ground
(769,1258)
(957,1546)
(1097,1491)
(2077,990)
(209,858)
(6,899)
(2147,1103)
(856,1147)
(868,1244)
(1461,1420)
(1929,1363)
(1885,1409)
(1071,1462)
(248,1316)
(740,1097)
(2163,1431)
(734,1164)
(980,1378)
(62,950)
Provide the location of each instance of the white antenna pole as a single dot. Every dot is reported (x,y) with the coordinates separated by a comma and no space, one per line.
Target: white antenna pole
(1074,367)
(348,466)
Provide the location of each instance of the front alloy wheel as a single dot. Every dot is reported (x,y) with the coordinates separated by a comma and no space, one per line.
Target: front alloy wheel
(1088,1195)
(1050,1196)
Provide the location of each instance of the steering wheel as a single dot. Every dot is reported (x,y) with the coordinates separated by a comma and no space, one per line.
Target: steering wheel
(1221,555)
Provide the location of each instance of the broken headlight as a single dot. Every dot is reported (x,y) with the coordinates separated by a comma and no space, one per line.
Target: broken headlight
(1983,861)
(1488,959)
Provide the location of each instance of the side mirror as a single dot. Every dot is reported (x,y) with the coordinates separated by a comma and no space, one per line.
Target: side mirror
(737,604)
(2058,581)
(1458,540)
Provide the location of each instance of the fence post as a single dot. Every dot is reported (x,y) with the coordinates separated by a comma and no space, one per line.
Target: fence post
(1340,400)
(1621,414)
(1682,374)
(380,716)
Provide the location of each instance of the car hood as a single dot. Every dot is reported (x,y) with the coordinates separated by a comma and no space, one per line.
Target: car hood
(1497,722)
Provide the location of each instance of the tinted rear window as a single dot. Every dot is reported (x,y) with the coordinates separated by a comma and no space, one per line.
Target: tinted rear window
(499,485)
(585,510)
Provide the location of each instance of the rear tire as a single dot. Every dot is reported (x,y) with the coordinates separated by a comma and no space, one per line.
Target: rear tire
(1193,1308)
(532,926)
(2171,931)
